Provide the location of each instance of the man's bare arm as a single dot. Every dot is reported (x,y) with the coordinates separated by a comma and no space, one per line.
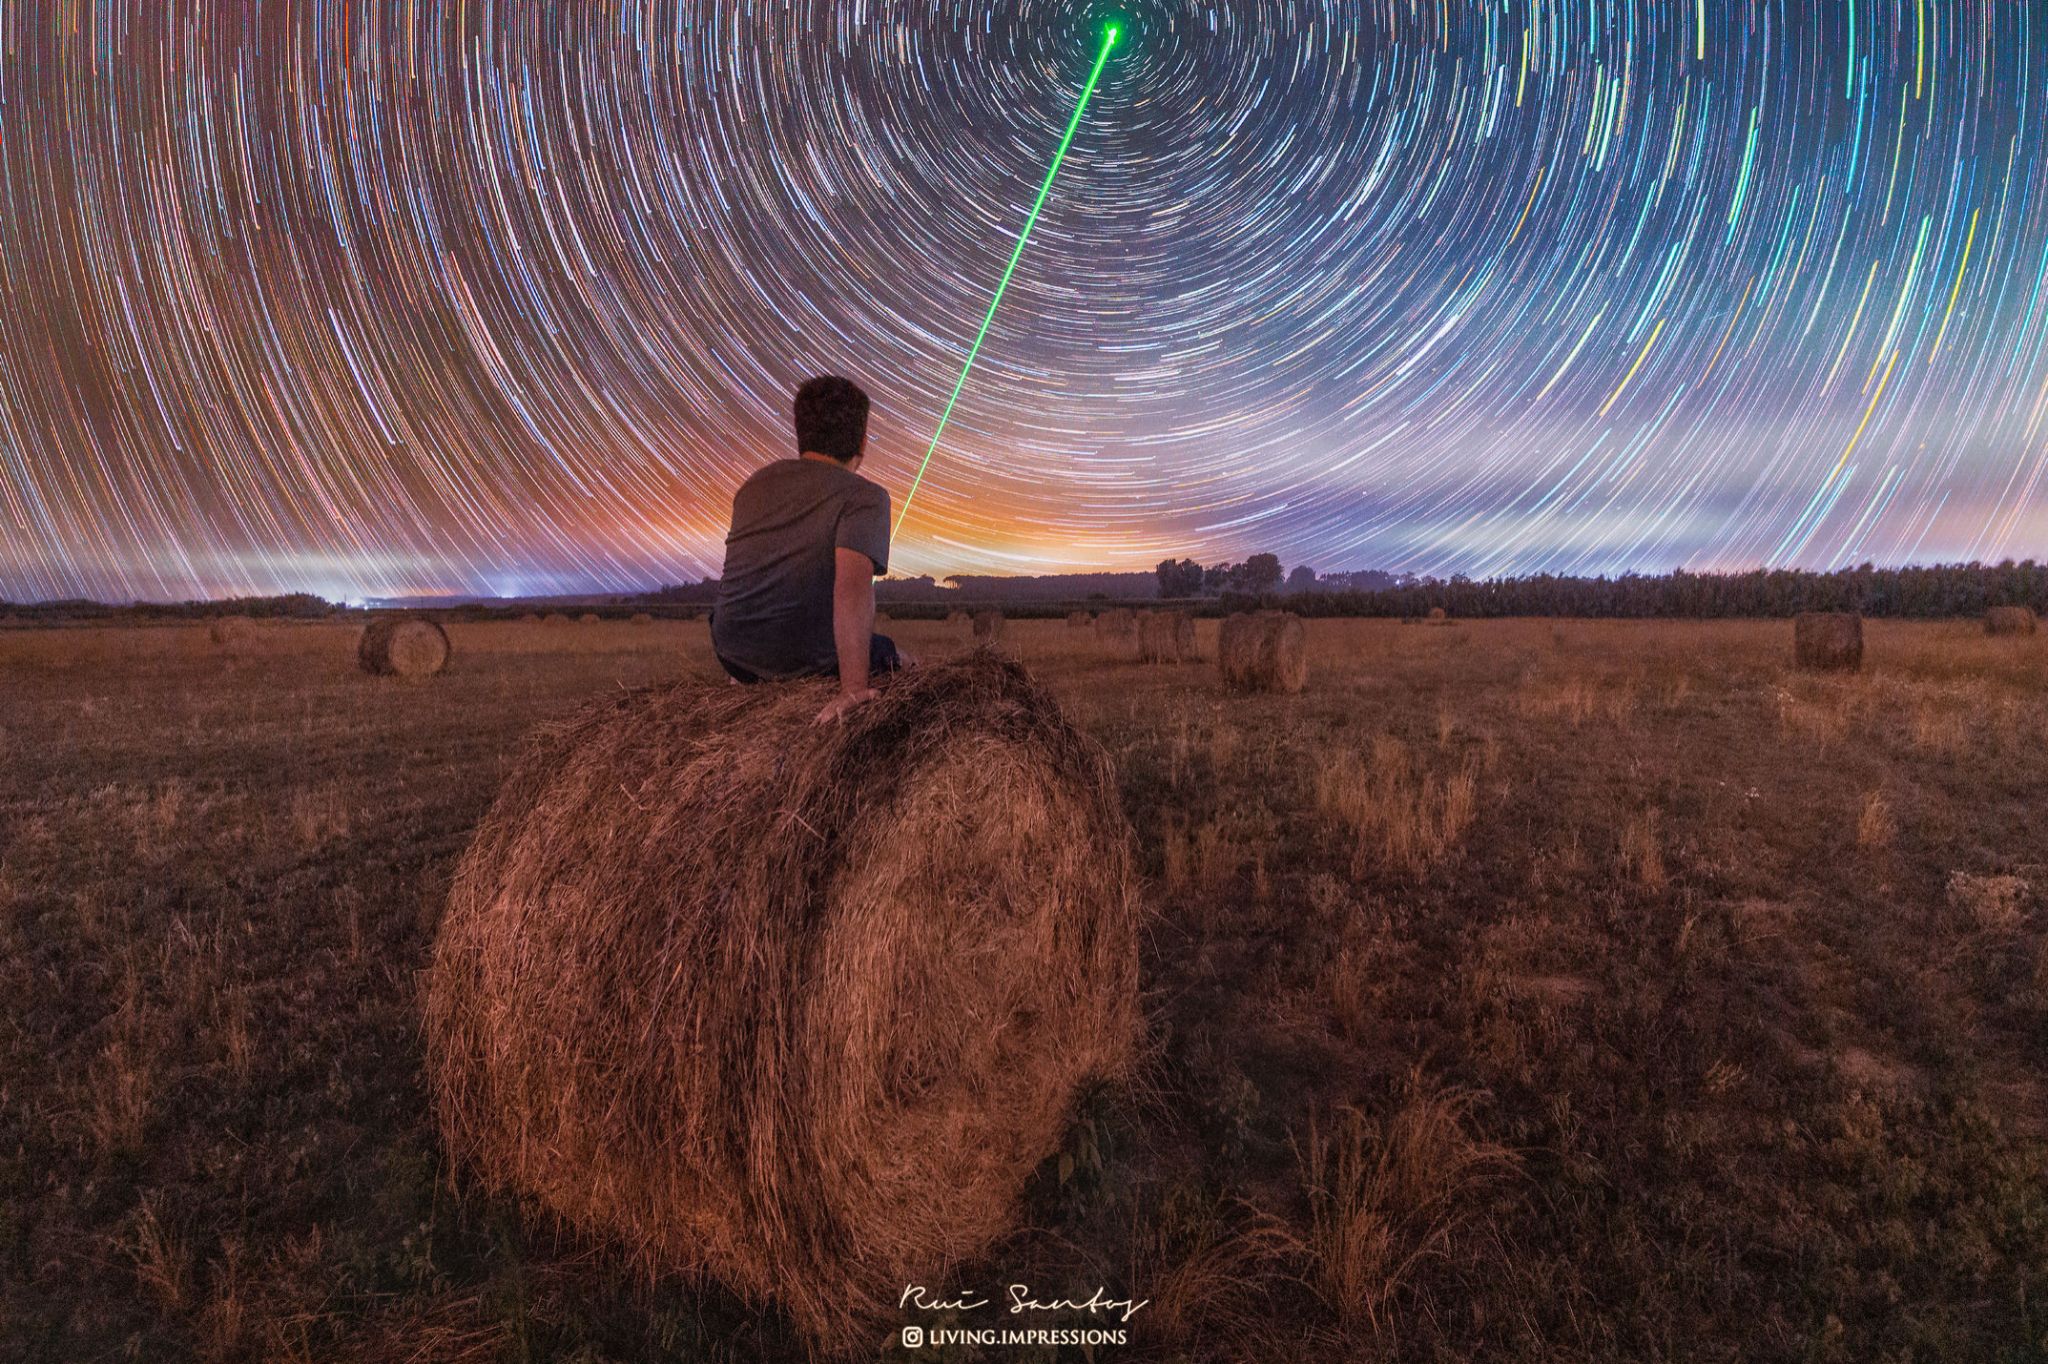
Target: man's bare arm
(853,629)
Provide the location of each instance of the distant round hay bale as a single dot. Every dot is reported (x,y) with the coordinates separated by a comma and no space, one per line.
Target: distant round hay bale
(988,627)
(1437,613)
(1166,636)
(2011,620)
(530,618)
(1828,641)
(554,618)
(230,631)
(1079,620)
(1119,624)
(1264,652)
(642,618)
(409,646)
(957,618)
(798,1008)
(589,618)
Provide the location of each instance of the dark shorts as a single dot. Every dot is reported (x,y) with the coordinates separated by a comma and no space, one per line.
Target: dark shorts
(882,658)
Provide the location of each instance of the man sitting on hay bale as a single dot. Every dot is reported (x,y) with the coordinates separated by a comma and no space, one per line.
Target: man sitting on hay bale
(809,537)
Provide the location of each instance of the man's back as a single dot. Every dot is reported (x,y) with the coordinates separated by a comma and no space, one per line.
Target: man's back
(774,616)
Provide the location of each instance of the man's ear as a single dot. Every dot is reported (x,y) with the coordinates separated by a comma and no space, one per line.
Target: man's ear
(853,465)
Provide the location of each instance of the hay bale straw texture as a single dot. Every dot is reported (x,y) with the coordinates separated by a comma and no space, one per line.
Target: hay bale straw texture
(1828,641)
(1079,620)
(1437,613)
(988,627)
(642,618)
(1121,623)
(229,631)
(798,1008)
(2011,620)
(1264,652)
(410,646)
(1166,636)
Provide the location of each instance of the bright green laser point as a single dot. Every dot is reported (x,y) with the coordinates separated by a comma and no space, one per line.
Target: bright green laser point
(1109,37)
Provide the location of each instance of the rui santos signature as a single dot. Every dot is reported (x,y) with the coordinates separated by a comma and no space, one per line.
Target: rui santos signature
(1020,1299)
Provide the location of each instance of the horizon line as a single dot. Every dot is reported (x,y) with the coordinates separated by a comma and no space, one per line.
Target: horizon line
(463,596)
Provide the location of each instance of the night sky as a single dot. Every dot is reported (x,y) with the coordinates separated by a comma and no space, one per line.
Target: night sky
(368,297)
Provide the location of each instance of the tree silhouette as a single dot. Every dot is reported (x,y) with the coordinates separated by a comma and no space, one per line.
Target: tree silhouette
(1183,579)
(1259,574)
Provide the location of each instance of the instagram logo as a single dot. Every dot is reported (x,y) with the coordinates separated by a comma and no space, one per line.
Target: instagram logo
(913,1337)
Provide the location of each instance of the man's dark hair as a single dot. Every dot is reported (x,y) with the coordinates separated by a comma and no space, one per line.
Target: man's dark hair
(831,418)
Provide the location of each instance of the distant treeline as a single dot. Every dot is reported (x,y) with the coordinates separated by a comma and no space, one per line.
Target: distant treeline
(303,606)
(1921,593)
(1918,593)
(293,606)
(703,593)
(1054,587)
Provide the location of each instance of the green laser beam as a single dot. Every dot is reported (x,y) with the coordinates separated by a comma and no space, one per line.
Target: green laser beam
(1108,41)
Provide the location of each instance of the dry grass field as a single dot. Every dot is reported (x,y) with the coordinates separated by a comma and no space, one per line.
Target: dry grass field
(1529,990)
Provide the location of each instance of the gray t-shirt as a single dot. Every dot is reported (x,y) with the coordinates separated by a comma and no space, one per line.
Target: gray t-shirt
(774,616)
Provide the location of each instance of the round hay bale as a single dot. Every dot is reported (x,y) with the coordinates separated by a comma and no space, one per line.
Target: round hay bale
(2011,620)
(1828,641)
(1264,652)
(988,627)
(799,1008)
(956,618)
(409,646)
(1119,624)
(1079,620)
(230,631)
(554,618)
(642,618)
(588,618)
(1437,613)
(1166,636)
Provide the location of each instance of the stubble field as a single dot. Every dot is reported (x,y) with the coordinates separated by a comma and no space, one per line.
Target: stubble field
(1522,990)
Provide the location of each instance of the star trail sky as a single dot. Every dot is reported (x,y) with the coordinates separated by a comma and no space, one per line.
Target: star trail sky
(379,296)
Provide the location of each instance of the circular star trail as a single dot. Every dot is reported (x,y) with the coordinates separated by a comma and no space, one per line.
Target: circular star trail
(378,296)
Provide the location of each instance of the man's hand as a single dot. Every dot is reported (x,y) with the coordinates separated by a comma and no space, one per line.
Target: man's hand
(843,703)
